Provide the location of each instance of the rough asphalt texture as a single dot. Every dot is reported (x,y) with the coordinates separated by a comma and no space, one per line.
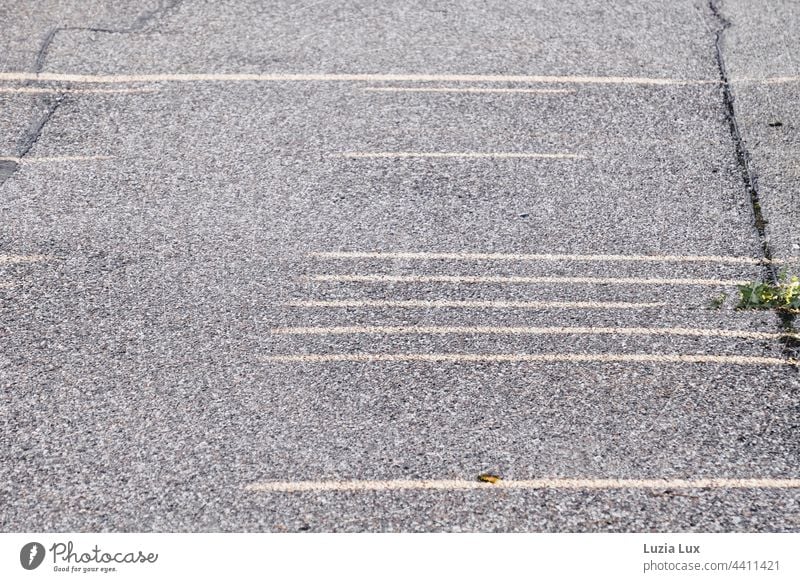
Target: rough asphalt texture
(136,393)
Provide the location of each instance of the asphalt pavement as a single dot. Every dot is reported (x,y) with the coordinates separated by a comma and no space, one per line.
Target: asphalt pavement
(301,266)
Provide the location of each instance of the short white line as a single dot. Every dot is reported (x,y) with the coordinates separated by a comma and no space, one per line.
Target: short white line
(414,303)
(379,278)
(5,259)
(497,330)
(766,80)
(55,90)
(554,483)
(49,159)
(500,155)
(538,257)
(338,77)
(4,285)
(464,90)
(534,358)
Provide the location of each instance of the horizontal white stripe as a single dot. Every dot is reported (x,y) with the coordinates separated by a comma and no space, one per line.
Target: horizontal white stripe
(367,77)
(48,159)
(5,259)
(766,80)
(380,278)
(555,483)
(536,358)
(501,155)
(437,330)
(4,285)
(464,90)
(43,90)
(414,304)
(540,257)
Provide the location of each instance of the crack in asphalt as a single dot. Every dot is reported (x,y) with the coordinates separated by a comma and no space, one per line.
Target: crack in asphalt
(742,155)
(35,131)
(164,8)
(791,347)
(31,136)
(29,139)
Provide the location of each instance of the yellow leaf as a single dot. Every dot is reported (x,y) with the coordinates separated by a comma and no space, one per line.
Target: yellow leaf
(489,478)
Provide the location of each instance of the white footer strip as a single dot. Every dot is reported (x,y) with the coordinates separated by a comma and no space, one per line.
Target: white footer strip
(458,484)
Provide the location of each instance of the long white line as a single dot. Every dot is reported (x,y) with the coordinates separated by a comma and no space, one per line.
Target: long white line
(465,90)
(554,483)
(49,159)
(500,155)
(380,278)
(538,257)
(442,330)
(533,358)
(5,259)
(415,303)
(51,90)
(334,77)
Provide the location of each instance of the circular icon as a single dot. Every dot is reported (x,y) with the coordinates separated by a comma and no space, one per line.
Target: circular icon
(32,555)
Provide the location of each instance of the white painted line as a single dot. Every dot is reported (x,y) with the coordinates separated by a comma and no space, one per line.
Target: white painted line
(499,155)
(379,278)
(6,259)
(766,80)
(554,483)
(497,330)
(414,303)
(4,285)
(535,358)
(338,77)
(54,90)
(425,256)
(465,90)
(52,159)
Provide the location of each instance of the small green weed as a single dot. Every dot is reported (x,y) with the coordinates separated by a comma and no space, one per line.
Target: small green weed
(784,296)
(718,302)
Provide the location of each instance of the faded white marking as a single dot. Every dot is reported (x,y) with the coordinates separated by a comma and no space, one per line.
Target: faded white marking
(540,257)
(766,80)
(498,330)
(55,90)
(465,90)
(380,278)
(500,155)
(554,483)
(339,77)
(414,303)
(534,358)
(53,159)
(5,259)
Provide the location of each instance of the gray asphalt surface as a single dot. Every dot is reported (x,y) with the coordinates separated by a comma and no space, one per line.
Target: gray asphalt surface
(140,389)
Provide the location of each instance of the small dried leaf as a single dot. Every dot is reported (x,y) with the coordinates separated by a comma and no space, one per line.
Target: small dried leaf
(489,478)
